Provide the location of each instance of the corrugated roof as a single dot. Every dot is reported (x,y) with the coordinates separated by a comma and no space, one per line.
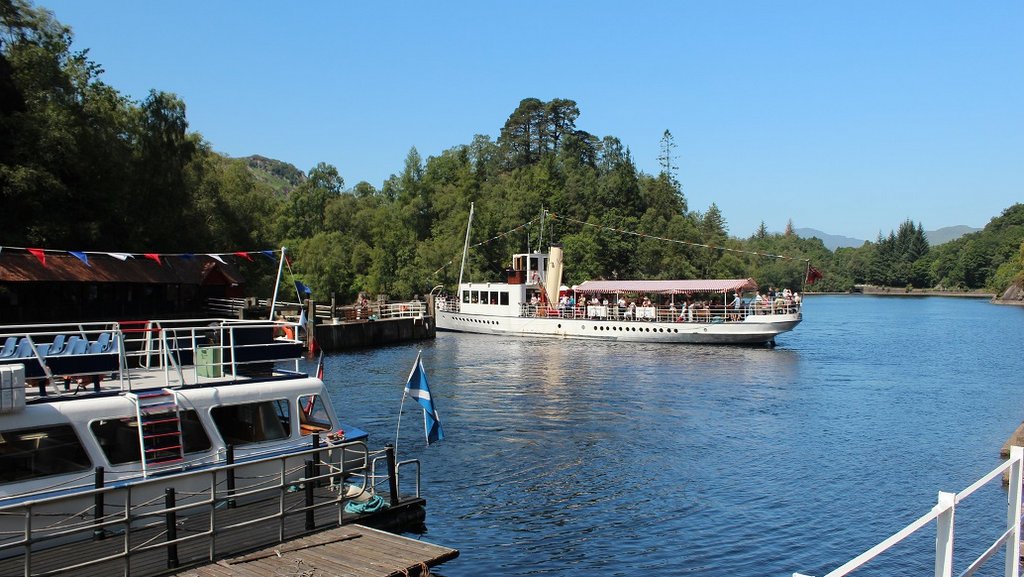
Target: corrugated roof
(24,267)
(666,286)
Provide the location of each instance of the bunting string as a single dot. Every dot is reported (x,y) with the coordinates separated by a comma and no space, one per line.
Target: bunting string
(158,258)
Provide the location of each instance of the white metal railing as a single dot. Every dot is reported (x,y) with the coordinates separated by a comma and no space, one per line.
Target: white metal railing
(59,357)
(32,526)
(943,512)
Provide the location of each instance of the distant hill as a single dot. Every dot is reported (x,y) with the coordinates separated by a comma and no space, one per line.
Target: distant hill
(944,235)
(281,176)
(831,241)
(935,237)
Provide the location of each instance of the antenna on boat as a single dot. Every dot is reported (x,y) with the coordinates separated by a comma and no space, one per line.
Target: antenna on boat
(280,267)
(465,248)
(540,239)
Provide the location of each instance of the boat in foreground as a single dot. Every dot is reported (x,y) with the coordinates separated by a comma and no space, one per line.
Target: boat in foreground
(533,303)
(100,421)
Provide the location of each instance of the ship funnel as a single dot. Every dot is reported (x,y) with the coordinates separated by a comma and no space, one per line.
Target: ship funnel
(553,276)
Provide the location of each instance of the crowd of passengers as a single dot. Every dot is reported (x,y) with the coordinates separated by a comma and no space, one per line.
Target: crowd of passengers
(688,310)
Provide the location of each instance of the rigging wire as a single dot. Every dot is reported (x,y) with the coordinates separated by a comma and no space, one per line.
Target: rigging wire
(683,242)
(490,240)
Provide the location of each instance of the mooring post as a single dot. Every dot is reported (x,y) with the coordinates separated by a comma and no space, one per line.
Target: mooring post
(310,521)
(98,532)
(310,324)
(389,450)
(171,522)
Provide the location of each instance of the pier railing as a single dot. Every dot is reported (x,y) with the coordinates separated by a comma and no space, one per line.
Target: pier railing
(232,307)
(166,522)
(943,512)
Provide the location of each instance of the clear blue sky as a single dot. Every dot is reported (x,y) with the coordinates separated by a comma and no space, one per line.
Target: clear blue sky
(848,117)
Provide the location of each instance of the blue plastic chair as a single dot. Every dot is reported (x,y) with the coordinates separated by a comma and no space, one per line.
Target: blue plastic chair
(81,347)
(101,344)
(24,349)
(8,349)
(69,347)
(54,348)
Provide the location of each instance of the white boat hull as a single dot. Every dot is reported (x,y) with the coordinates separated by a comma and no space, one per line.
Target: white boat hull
(753,329)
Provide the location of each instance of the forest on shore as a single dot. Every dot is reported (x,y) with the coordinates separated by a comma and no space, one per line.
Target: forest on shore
(83,167)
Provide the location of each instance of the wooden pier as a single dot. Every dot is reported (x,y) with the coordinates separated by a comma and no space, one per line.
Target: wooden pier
(353,334)
(353,550)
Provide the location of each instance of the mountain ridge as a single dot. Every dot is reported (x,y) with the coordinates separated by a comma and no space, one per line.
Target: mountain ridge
(834,241)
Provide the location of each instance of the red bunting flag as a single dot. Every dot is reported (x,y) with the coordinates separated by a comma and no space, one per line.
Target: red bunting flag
(244,255)
(39,253)
(153,256)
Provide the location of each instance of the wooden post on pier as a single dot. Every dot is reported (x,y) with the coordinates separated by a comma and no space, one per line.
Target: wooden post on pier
(389,451)
(310,324)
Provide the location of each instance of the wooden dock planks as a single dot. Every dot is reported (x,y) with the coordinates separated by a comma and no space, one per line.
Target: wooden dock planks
(349,550)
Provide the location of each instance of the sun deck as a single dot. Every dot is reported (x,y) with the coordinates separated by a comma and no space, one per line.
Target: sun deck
(69,361)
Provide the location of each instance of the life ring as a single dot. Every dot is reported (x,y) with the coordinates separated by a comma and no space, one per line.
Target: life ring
(289,332)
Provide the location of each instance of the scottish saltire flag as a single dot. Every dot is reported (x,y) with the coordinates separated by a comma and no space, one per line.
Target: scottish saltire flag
(418,389)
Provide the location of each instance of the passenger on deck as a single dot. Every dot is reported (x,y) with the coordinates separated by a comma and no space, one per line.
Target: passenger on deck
(631,310)
(737,307)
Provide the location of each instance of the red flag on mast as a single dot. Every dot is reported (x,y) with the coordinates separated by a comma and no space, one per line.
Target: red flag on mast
(813,275)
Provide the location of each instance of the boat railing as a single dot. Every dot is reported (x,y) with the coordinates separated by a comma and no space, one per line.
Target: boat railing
(659,313)
(130,524)
(943,513)
(65,358)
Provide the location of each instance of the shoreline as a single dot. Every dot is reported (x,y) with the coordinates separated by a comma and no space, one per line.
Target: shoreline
(902,292)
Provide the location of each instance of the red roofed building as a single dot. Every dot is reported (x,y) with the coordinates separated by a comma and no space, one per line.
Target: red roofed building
(67,289)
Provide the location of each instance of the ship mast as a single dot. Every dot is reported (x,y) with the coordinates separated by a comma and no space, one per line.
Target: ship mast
(465,248)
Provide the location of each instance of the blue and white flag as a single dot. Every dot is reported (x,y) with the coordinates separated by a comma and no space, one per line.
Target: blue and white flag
(418,389)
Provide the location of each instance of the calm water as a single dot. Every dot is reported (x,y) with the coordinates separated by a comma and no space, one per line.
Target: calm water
(571,457)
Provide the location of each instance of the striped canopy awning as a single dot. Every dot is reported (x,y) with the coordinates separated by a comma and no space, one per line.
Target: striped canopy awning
(667,286)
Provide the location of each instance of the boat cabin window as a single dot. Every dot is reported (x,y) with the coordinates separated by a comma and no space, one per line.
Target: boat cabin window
(313,415)
(40,452)
(465,296)
(119,438)
(503,297)
(253,422)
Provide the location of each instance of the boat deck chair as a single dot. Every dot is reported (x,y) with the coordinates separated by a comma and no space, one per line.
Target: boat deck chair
(9,345)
